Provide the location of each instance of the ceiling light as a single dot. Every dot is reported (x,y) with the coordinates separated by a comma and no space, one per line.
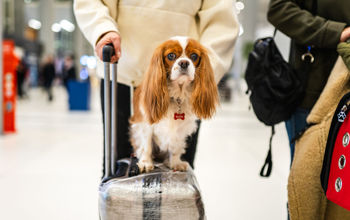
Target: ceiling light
(56,27)
(35,24)
(67,26)
(239,6)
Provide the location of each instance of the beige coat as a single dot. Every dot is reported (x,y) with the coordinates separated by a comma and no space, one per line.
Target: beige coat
(144,24)
(305,194)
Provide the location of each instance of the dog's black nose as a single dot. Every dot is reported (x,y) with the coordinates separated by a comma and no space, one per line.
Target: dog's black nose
(184,64)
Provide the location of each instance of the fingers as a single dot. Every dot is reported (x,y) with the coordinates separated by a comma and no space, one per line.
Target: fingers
(116,45)
(345,35)
(109,38)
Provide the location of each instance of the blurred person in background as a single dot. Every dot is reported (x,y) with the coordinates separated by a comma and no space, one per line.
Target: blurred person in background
(59,65)
(135,28)
(315,27)
(48,75)
(33,49)
(69,71)
(22,73)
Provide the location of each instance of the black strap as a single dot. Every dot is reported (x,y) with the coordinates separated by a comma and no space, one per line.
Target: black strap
(267,167)
(274,33)
(152,196)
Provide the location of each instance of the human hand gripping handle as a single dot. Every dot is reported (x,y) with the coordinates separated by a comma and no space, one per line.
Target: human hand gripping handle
(112,39)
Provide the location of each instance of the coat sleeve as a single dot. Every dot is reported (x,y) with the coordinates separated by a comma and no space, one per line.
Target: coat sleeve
(94,19)
(218,29)
(303,26)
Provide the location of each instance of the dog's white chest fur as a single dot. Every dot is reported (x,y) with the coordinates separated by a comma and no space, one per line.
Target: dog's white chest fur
(170,134)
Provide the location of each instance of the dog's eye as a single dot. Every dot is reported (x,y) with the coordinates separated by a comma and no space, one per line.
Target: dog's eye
(194,57)
(171,56)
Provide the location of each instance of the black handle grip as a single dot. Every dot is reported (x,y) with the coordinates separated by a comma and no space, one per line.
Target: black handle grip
(107,52)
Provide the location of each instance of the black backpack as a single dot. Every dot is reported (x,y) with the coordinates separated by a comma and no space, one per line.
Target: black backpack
(275,88)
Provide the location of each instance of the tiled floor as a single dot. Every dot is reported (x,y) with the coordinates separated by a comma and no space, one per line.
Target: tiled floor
(50,169)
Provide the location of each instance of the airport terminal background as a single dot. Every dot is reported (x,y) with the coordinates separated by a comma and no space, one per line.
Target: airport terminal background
(50,165)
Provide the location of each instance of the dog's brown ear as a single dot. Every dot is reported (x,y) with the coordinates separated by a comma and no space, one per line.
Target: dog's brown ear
(205,95)
(155,89)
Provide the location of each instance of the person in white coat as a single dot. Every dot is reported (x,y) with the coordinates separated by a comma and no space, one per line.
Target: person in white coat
(136,27)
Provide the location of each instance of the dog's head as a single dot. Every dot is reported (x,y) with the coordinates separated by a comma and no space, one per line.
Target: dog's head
(184,62)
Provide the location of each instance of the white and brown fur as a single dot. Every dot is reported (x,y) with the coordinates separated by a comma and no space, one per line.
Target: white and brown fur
(153,130)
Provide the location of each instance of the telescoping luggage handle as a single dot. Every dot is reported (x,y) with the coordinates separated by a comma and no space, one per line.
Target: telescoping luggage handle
(110,125)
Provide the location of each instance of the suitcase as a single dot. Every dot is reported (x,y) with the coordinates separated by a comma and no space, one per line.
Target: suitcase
(126,194)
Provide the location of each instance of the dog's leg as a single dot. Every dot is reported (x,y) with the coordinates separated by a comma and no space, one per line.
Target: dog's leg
(144,153)
(175,161)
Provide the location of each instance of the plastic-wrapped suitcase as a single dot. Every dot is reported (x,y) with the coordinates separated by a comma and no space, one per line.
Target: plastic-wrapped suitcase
(126,194)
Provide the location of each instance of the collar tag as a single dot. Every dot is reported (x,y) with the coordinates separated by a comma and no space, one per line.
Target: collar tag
(179,116)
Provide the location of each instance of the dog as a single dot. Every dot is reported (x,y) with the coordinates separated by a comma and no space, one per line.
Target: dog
(178,88)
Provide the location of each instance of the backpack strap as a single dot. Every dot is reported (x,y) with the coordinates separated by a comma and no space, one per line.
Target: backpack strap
(274,33)
(265,172)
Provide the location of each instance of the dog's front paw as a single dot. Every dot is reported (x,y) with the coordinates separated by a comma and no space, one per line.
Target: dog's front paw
(179,165)
(145,166)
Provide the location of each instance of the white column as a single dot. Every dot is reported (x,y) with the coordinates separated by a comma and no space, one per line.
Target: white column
(19,18)
(47,15)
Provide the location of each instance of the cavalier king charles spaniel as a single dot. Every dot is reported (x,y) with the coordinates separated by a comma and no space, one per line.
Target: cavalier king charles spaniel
(178,88)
